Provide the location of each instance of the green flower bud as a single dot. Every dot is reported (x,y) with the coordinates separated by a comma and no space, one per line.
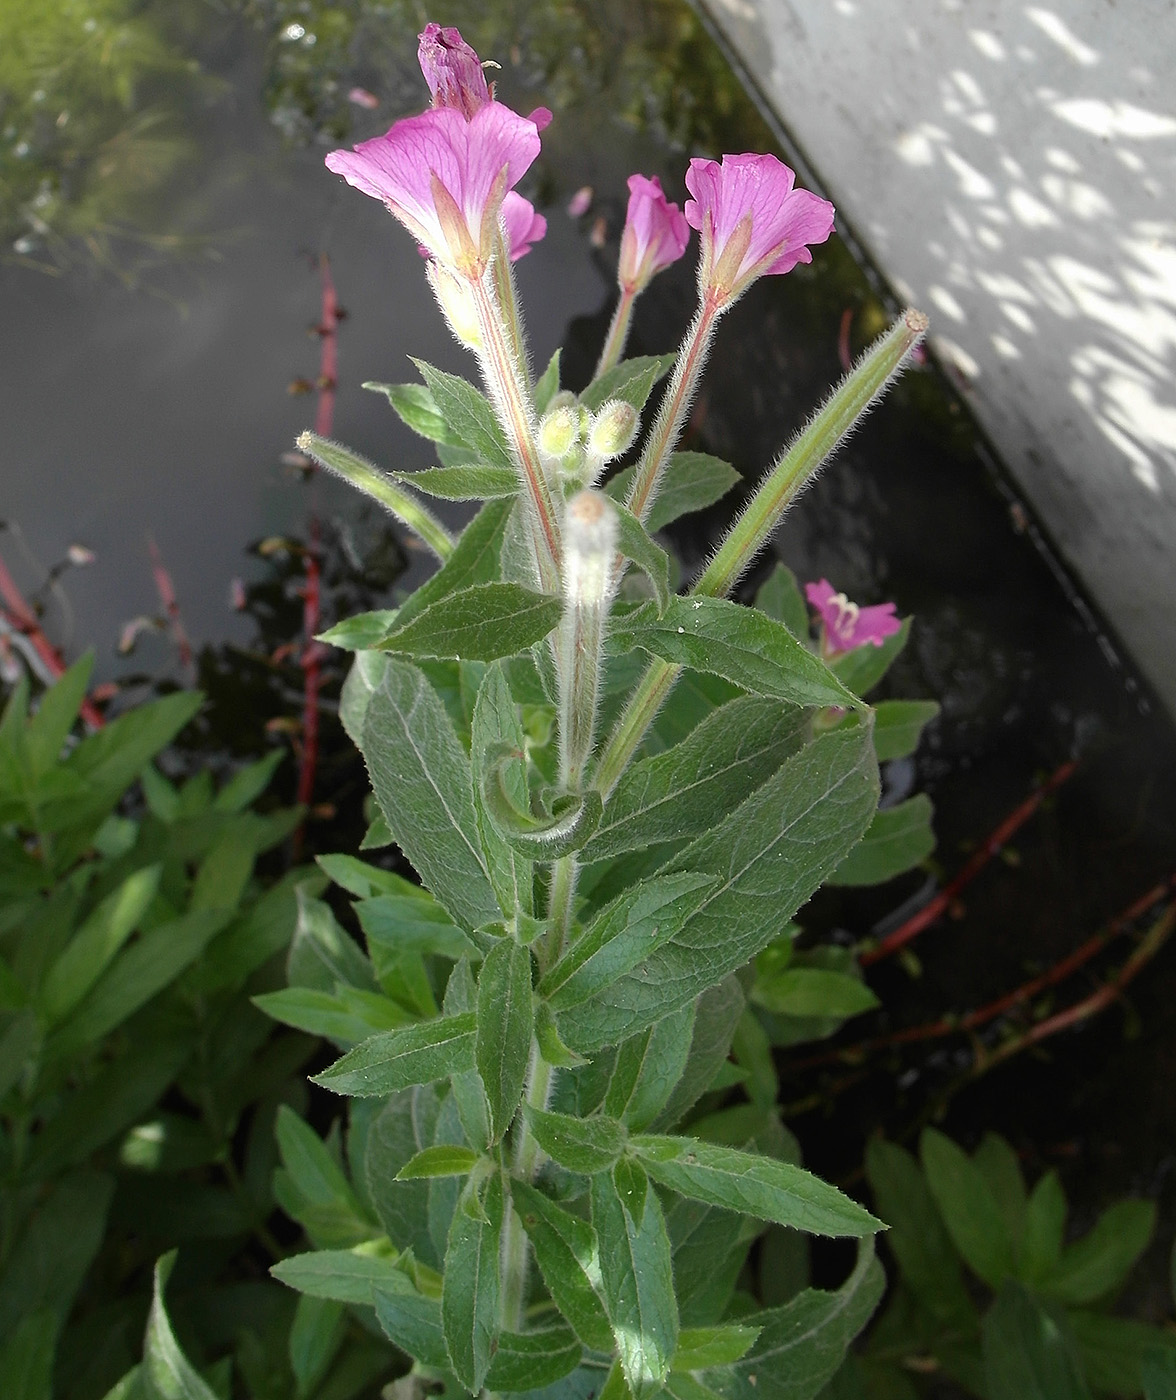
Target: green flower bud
(559,431)
(613,430)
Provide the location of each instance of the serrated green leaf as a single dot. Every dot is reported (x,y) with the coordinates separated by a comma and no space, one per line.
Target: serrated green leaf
(413,1324)
(344,1275)
(347,1017)
(401,1058)
(897,839)
(772,851)
(328,1207)
(361,632)
(898,725)
(692,481)
(465,481)
(469,1294)
(421,777)
(625,932)
(739,644)
(632,381)
(688,789)
(929,1265)
(585,1145)
(467,414)
(716,1015)
(567,1253)
(801,1344)
(322,954)
(398,924)
(533,1360)
(637,1284)
(505,1022)
(861,669)
(401,1128)
(480,623)
(700,1347)
(753,1185)
(1029,1353)
(167,1373)
(442,1160)
(416,409)
(968,1208)
(812,991)
(1100,1261)
(635,544)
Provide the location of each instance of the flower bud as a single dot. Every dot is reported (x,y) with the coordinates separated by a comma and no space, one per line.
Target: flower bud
(613,430)
(559,431)
(456,302)
(590,544)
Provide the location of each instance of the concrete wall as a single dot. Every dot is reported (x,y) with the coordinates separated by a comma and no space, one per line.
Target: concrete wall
(1012,169)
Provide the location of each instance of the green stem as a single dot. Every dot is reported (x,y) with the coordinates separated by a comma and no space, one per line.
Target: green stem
(503,376)
(801,461)
(618,332)
(639,714)
(667,426)
(563,897)
(527,1158)
(512,317)
(369,479)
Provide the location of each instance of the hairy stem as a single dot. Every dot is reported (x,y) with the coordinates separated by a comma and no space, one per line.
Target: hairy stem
(618,332)
(527,1157)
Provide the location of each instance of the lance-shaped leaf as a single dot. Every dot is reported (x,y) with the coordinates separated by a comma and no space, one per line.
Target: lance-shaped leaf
(468,481)
(344,1275)
(572,819)
(443,1159)
(585,1145)
(694,785)
(480,623)
(898,725)
(398,924)
(167,1371)
(699,1347)
(780,597)
(969,1209)
(638,1285)
(568,1256)
(647,1068)
(421,778)
(400,1058)
(360,632)
(632,381)
(770,854)
(469,1293)
(812,991)
(634,543)
(737,643)
(467,414)
(475,559)
(413,1323)
(896,840)
(547,385)
(693,481)
(627,930)
(505,1021)
(417,409)
(1029,1350)
(802,1344)
(755,1185)
(532,1360)
(497,728)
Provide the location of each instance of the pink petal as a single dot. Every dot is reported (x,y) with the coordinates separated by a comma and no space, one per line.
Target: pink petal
(656,234)
(524,227)
(452,70)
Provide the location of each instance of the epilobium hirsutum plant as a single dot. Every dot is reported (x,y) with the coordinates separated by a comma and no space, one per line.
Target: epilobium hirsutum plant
(615,798)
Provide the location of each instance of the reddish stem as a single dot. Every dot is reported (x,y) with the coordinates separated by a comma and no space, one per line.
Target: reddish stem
(843,339)
(171,607)
(938,906)
(22,619)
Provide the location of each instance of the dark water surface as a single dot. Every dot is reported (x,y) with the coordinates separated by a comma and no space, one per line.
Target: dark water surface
(165,410)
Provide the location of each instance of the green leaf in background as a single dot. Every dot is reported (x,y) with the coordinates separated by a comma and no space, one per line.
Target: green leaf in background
(1100,1261)
(567,1252)
(316,1335)
(927,1262)
(469,1294)
(693,481)
(585,1145)
(772,851)
(898,725)
(812,991)
(56,714)
(467,414)
(632,380)
(413,1323)
(421,777)
(737,643)
(167,1372)
(505,1019)
(533,1360)
(998,1165)
(627,930)
(343,1275)
(416,408)
(361,632)
(469,1094)
(861,669)
(637,1283)
(1045,1230)
(399,924)
(753,1185)
(634,543)
(27,1356)
(346,1017)
(700,1347)
(716,1014)
(780,597)
(687,790)
(497,728)
(969,1209)
(1158,1374)
(480,623)
(547,385)
(897,839)
(801,1344)
(647,1068)
(440,1160)
(401,1058)
(1029,1353)
(323,955)
(325,1203)
(1114,1351)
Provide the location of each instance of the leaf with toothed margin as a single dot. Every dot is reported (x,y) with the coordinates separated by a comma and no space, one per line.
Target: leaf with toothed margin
(692,481)
(401,1058)
(631,381)
(480,623)
(468,414)
(634,543)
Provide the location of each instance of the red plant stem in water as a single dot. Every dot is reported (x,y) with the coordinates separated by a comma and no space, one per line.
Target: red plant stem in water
(311,659)
(171,607)
(843,340)
(22,619)
(938,906)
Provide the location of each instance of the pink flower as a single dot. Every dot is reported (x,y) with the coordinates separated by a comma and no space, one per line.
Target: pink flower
(445,178)
(524,227)
(753,223)
(655,234)
(580,202)
(844,625)
(452,70)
